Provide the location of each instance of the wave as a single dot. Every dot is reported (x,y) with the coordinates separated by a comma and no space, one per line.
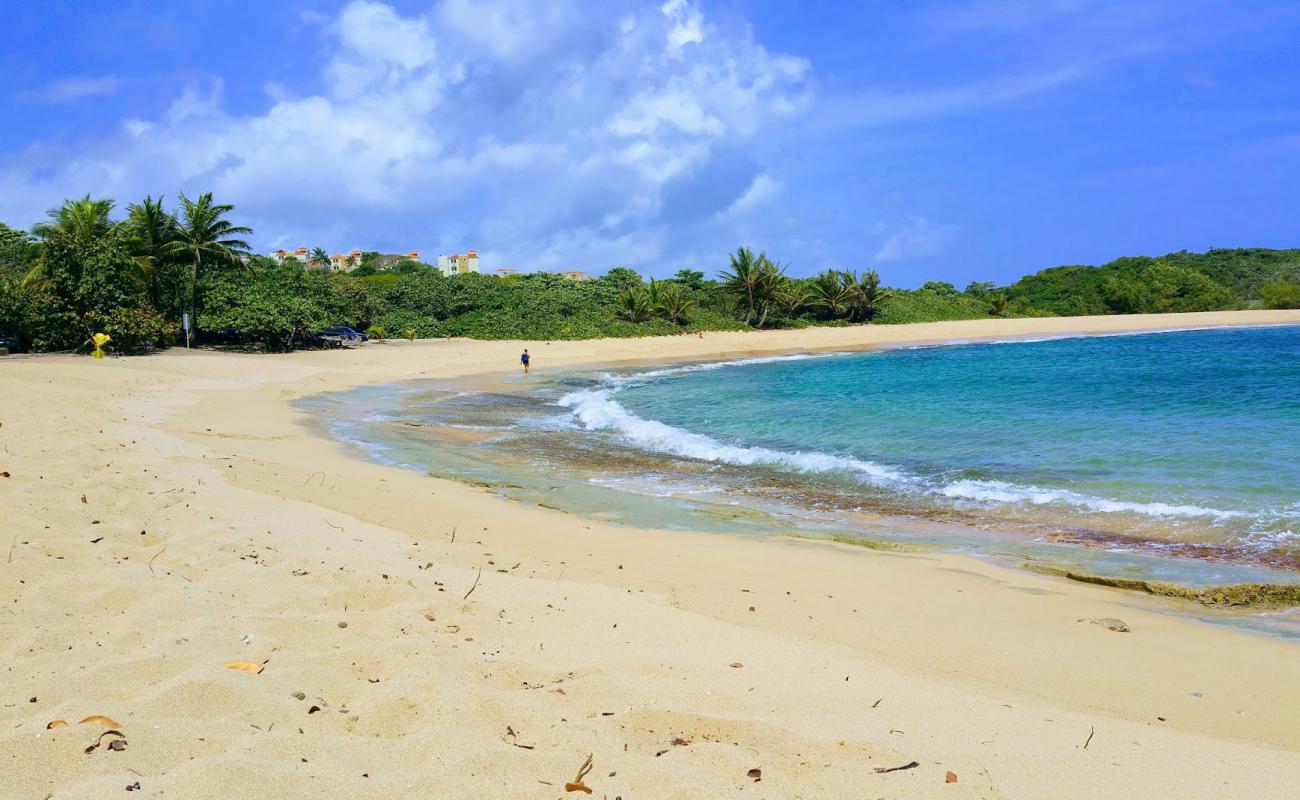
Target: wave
(624,381)
(595,409)
(1010,493)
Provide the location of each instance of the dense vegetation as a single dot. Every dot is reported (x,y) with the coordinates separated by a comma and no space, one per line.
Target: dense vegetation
(1182,281)
(82,272)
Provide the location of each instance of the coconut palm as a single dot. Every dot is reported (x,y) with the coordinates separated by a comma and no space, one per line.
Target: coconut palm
(998,305)
(152,230)
(756,282)
(867,297)
(81,220)
(319,258)
(206,237)
(832,291)
(675,302)
(84,218)
(634,304)
(742,281)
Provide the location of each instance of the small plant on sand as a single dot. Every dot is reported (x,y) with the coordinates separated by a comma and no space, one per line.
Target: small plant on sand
(377,332)
(409,333)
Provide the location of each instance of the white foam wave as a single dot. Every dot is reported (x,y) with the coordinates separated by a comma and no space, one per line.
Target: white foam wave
(622,381)
(595,409)
(1002,492)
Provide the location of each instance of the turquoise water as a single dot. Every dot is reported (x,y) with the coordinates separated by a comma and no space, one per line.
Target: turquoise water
(1168,456)
(1189,438)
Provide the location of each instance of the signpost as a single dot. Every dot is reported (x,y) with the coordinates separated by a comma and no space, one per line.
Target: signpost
(185,322)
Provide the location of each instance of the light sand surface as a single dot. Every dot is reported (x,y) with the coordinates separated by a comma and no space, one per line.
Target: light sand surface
(159,509)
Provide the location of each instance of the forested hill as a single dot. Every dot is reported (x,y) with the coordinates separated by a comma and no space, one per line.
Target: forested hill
(1182,281)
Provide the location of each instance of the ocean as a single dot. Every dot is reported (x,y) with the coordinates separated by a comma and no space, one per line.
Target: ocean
(1168,456)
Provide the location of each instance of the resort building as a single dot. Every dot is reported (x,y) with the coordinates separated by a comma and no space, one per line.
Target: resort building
(504,271)
(345,262)
(576,275)
(458,264)
(301,254)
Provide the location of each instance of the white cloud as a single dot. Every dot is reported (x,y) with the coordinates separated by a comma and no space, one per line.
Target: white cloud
(70,90)
(916,238)
(541,135)
(762,190)
(687,23)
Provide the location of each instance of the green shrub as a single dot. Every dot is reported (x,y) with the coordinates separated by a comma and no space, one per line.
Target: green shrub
(1280,294)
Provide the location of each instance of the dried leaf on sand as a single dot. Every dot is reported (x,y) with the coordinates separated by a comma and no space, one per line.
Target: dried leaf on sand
(117,744)
(576,785)
(246,666)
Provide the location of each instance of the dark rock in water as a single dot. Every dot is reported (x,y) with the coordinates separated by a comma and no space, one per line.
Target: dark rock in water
(1110,624)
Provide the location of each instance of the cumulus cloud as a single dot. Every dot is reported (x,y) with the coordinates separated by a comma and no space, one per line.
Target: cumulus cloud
(542,134)
(915,238)
(763,189)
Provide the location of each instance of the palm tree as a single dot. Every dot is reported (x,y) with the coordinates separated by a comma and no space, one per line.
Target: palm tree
(84,218)
(675,302)
(743,280)
(998,306)
(866,297)
(80,220)
(319,258)
(832,291)
(152,231)
(634,304)
(204,235)
(757,284)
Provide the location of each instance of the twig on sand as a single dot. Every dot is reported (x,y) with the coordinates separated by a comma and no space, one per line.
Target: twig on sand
(10,559)
(475,586)
(321,473)
(155,555)
(909,765)
(453,536)
(1091,731)
(331,524)
(873,705)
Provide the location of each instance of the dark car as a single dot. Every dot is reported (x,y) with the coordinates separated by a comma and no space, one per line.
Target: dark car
(222,336)
(10,344)
(342,334)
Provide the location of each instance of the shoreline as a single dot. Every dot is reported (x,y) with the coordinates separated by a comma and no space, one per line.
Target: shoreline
(1275,583)
(253,525)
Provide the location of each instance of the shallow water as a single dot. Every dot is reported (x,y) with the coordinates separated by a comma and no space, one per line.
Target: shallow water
(1166,456)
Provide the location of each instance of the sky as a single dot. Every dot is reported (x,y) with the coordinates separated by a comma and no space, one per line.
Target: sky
(960,140)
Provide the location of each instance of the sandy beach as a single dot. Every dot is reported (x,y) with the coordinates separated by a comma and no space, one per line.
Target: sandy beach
(165,516)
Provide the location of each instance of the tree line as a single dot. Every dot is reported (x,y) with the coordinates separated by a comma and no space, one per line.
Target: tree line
(81,272)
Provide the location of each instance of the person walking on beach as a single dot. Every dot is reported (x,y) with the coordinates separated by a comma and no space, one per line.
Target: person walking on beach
(524,359)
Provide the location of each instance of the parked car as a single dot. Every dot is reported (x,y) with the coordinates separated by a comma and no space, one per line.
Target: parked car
(10,343)
(221,336)
(342,334)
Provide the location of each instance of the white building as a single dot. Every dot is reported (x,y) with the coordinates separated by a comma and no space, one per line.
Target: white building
(458,264)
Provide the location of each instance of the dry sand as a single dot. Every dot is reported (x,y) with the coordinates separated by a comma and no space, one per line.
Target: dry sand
(160,509)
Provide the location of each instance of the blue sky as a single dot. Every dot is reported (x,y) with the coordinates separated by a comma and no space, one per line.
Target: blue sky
(958,140)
